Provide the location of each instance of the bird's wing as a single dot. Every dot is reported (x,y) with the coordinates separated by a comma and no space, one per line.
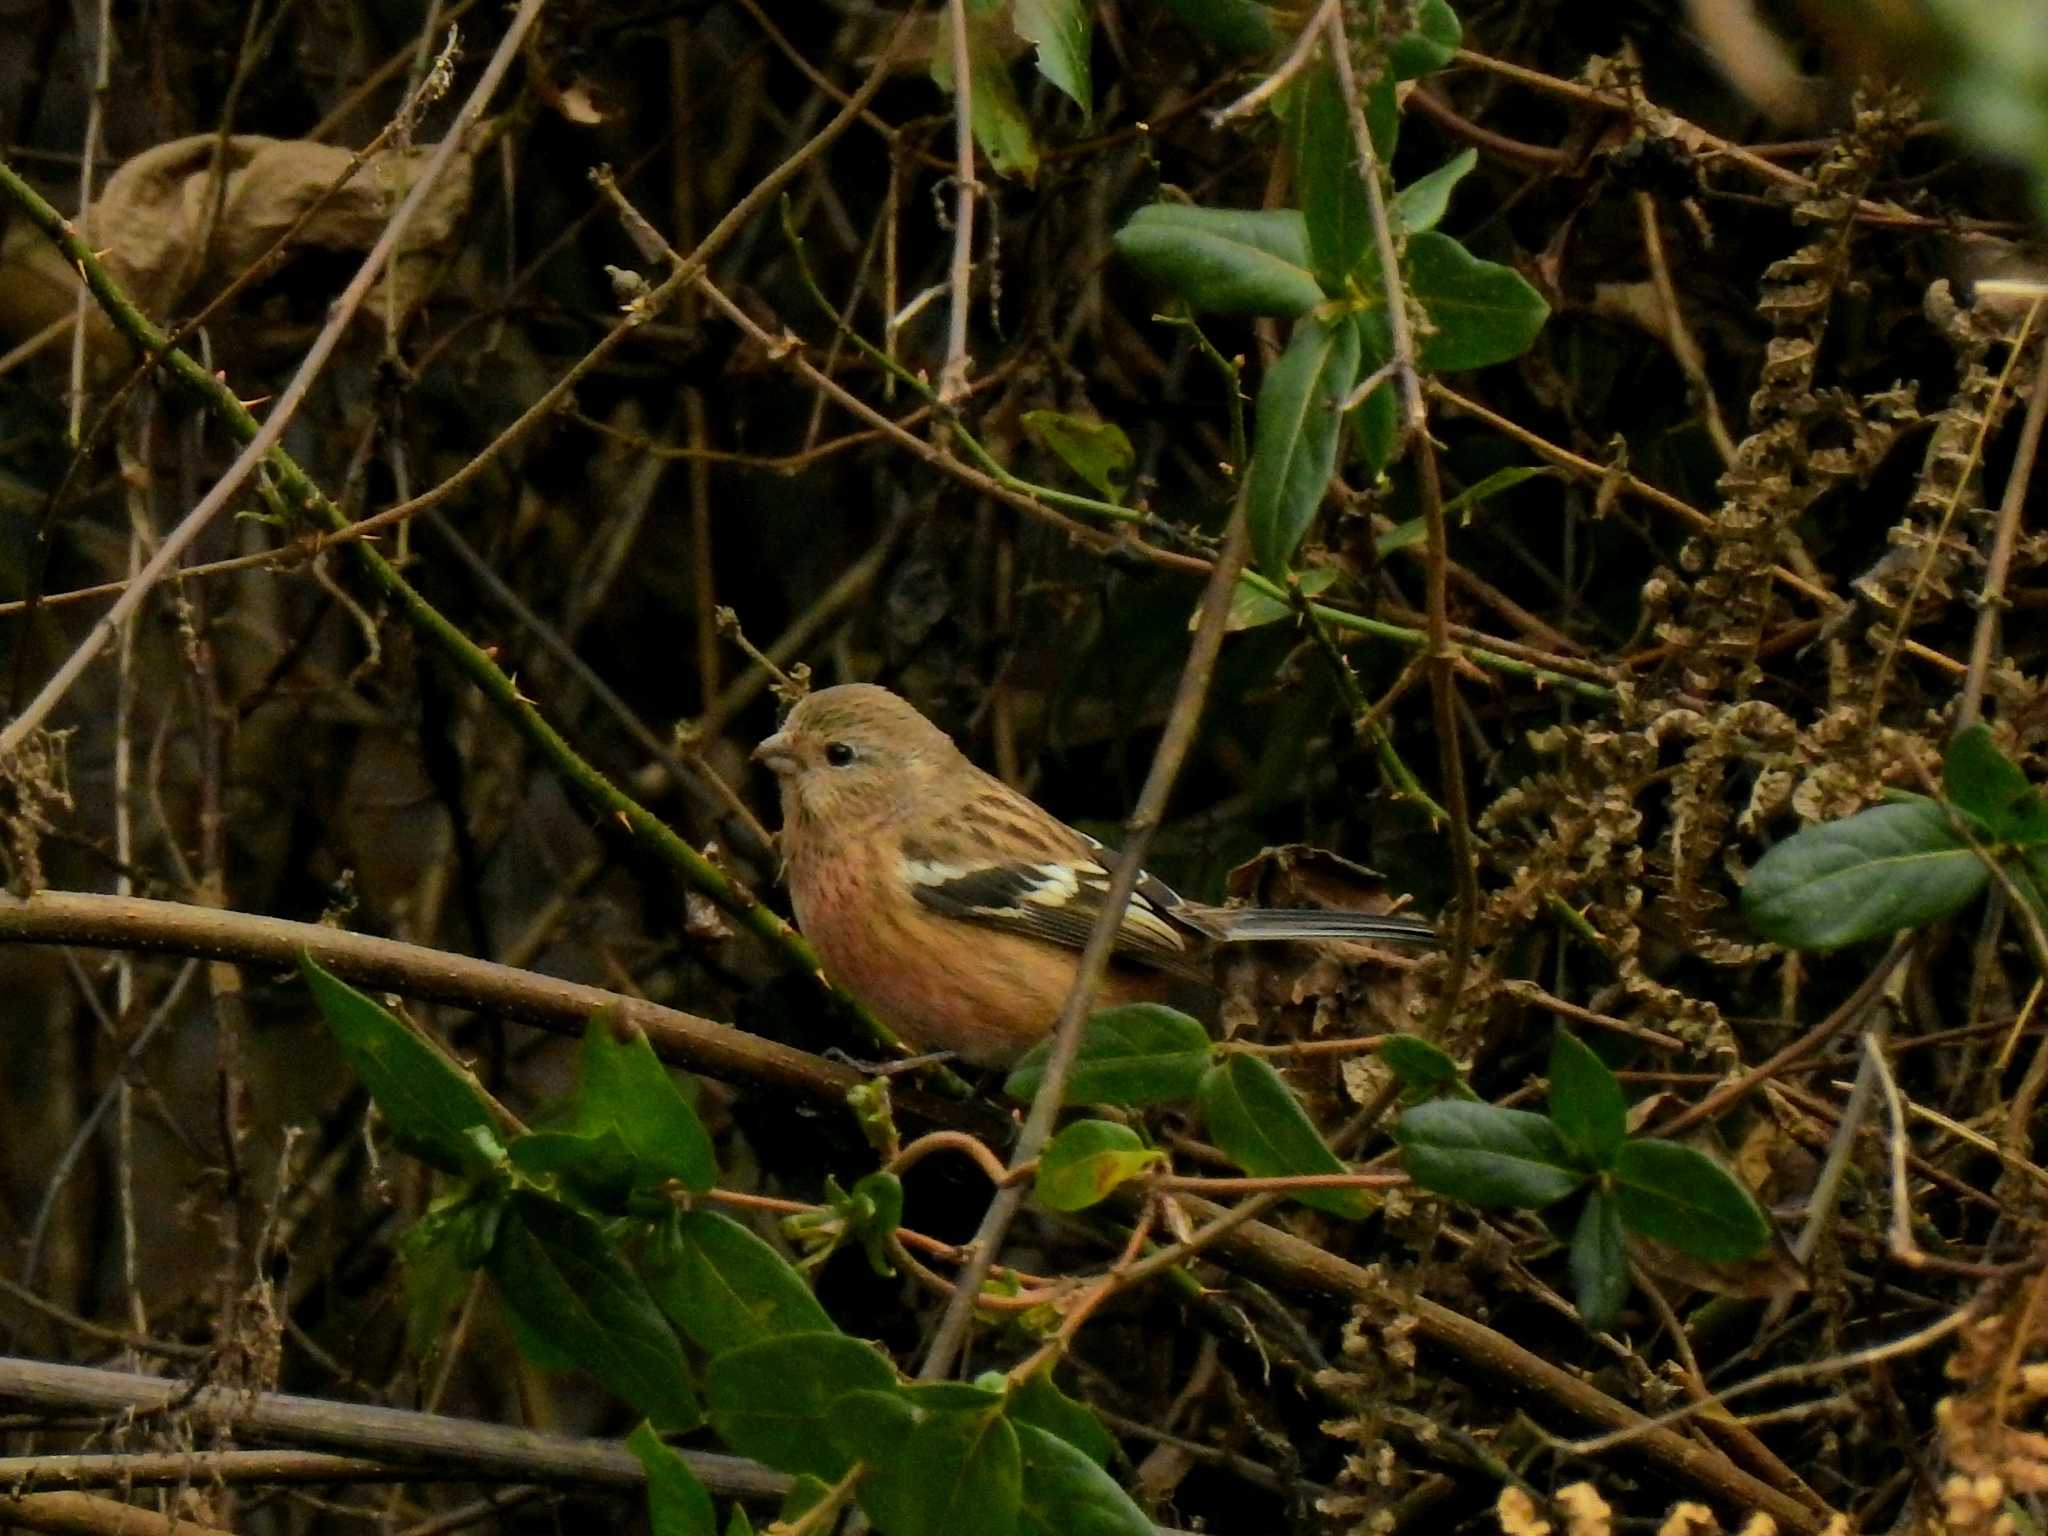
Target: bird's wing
(1003,862)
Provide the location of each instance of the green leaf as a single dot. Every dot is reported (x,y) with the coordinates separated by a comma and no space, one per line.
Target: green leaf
(1060,31)
(1086,1161)
(1586,1103)
(1421,1067)
(1331,181)
(724,1287)
(1039,1402)
(1000,126)
(1097,451)
(1295,432)
(1382,107)
(1235,26)
(1982,781)
(564,1281)
(1420,205)
(873,1214)
(677,1504)
(1485,1155)
(597,1170)
(1678,1195)
(1375,420)
(774,1401)
(867,1425)
(435,1110)
(441,1251)
(739,1524)
(1432,44)
(1254,1117)
(954,1472)
(1223,261)
(625,1088)
(1500,480)
(1067,1494)
(1483,312)
(1141,1053)
(1887,868)
(1600,1276)
(1251,607)
(805,1494)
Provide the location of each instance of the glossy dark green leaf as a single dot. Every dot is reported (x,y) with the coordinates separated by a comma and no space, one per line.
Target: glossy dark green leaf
(1224,261)
(563,1279)
(1060,30)
(868,1424)
(1841,882)
(1254,1117)
(1330,179)
(1086,1161)
(1482,312)
(1586,1103)
(724,1287)
(999,122)
(1097,451)
(1235,26)
(624,1087)
(1485,1155)
(1421,204)
(1600,1278)
(1067,1494)
(677,1504)
(1678,1195)
(774,1401)
(1141,1053)
(955,1472)
(435,1110)
(1296,427)
(1041,1403)
(1430,45)
(1982,781)
(1419,1065)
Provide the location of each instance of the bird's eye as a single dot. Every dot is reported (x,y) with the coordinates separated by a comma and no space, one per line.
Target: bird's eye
(838,754)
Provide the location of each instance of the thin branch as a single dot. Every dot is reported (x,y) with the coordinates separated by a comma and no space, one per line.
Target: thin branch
(1998,564)
(425,1439)
(1181,723)
(168,927)
(960,279)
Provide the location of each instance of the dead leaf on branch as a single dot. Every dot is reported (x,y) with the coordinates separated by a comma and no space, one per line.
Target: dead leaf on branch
(155,228)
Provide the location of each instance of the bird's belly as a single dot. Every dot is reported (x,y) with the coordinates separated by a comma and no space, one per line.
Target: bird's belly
(942,984)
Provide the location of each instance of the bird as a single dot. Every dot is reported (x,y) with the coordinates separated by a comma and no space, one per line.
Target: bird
(954,907)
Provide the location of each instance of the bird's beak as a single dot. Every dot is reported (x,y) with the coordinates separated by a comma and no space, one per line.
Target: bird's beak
(777,754)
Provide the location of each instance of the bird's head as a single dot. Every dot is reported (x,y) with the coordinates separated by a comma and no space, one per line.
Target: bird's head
(852,756)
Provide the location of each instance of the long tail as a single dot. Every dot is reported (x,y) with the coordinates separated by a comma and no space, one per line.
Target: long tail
(1236,924)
